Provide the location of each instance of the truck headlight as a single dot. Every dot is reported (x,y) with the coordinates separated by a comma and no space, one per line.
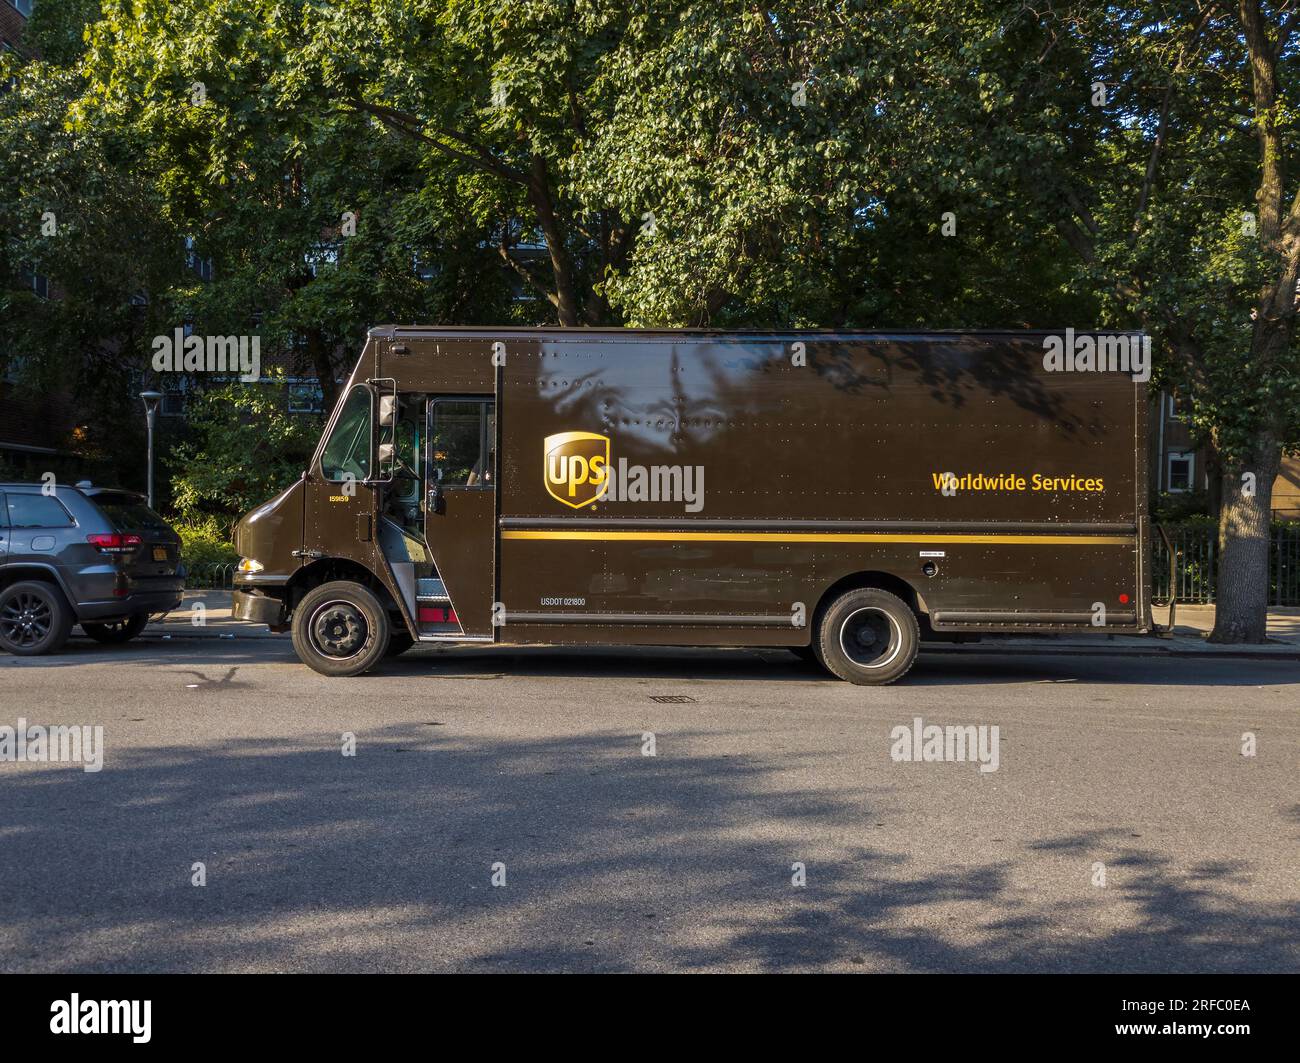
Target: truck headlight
(247,564)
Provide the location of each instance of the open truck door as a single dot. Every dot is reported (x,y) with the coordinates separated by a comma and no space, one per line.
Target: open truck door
(460,517)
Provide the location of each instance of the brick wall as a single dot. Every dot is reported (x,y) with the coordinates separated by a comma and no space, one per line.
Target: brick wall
(34,420)
(11,24)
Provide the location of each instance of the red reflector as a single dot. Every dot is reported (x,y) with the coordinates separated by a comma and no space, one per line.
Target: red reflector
(451,617)
(1123,599)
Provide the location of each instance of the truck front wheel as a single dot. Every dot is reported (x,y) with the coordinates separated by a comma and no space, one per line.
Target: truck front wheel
(340,628)
(868,636)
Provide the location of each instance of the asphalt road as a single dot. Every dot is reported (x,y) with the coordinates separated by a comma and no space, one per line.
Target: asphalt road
(229,753)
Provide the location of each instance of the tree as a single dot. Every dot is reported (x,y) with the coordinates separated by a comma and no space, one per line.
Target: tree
(1174,193)
(74,210)
(262,448)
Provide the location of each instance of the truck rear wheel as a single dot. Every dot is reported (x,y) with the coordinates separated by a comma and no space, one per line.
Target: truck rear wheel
(340,628)
(868,636)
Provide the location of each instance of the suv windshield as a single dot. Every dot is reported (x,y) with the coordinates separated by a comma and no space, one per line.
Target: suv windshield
(128,515)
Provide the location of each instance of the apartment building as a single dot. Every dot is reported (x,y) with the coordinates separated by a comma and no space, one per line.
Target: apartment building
(1179,466)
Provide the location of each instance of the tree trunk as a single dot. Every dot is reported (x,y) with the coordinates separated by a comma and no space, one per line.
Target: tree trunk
(539,191)
(1241,590)
(1214,476)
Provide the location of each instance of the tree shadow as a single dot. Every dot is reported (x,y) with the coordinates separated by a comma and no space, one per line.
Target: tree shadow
(613,861)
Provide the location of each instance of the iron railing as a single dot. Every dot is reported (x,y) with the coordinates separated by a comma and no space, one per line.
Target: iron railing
(1197,552)
(211,575)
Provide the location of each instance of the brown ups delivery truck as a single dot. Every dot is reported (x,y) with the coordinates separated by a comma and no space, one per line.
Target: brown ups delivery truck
(841,494)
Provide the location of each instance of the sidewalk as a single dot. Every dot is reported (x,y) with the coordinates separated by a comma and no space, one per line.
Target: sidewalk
(1188,640)
(1192,623)
(206,615)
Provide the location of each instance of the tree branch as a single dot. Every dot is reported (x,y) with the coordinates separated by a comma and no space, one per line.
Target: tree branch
(477,155)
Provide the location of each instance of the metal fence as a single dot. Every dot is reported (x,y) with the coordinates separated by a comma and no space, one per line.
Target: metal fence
(210,575)
(1197,549)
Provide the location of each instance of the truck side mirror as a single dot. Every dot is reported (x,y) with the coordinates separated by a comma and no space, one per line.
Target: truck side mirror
(387,413)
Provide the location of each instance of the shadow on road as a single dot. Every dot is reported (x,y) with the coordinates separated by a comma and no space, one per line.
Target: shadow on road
(933,668)
(316,861)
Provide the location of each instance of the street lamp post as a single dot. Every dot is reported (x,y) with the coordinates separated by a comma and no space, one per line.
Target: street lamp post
(151,400)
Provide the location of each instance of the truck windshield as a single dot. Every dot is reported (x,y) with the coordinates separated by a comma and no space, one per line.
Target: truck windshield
(348,449)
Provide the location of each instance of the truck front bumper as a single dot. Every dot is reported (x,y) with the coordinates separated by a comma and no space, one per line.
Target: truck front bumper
(258,608)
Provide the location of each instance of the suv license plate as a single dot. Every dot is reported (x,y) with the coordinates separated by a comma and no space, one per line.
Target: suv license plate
(160,553)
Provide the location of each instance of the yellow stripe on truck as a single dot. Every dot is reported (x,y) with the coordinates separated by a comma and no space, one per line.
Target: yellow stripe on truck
(821,537)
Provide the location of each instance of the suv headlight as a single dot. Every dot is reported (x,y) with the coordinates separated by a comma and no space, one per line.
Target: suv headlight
(247,565)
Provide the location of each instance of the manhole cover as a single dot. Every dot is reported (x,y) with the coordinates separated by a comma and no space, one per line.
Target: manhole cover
(673,699)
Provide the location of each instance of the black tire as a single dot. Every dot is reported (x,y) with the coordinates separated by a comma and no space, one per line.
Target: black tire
(399,642)
(117,631)
(35,618)
(341,628)
(868,636)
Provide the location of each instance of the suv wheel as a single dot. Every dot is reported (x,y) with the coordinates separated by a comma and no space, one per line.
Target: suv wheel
(118,630)
(868,636)
(34,619)
(340,628)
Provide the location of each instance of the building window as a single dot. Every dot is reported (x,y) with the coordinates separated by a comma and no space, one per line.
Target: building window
(24,7)
(319,256)
(1178,408)
(193,260)
(305,398)
(176,397)
(39,284)
(1181,472)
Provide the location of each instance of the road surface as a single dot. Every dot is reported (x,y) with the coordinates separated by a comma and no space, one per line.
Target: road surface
(500,814)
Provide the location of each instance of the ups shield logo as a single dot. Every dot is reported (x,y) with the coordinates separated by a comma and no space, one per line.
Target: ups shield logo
(575,467)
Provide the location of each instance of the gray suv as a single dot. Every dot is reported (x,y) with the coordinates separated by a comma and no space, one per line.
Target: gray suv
(83,555)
